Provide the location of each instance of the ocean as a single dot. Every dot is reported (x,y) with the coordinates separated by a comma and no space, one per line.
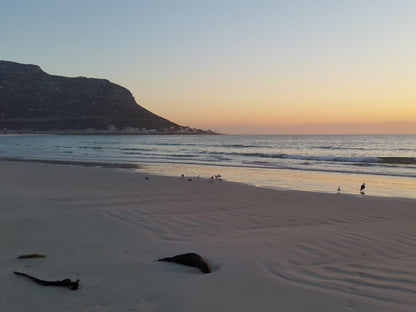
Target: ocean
(320,163)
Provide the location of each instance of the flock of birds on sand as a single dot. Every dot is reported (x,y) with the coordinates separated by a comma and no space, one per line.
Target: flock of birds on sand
(218,178)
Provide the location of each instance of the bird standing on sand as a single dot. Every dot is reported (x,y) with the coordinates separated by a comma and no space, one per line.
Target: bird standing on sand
(362,188)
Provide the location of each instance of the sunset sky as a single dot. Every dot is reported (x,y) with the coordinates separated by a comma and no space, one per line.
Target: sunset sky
(234,66)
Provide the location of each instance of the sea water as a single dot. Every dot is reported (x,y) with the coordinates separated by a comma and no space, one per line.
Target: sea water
(387,163)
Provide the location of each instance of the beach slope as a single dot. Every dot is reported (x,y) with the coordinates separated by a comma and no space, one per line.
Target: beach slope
(269,250)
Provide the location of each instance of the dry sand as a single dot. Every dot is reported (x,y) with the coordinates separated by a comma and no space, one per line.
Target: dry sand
(270,250)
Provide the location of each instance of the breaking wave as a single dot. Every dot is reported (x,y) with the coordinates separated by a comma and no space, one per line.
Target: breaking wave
(343,159)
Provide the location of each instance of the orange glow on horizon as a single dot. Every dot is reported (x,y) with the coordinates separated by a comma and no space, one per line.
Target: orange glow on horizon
(348,103)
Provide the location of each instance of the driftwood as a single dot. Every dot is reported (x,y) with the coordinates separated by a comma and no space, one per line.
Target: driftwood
(65,283)
(190,259)
(30,256)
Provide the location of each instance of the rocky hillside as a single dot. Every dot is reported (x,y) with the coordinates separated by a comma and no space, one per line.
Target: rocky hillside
(31,99)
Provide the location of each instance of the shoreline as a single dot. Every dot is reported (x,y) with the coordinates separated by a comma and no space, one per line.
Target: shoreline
(288,250)
(234,174)
(295,180)
(76,163)
(319,164)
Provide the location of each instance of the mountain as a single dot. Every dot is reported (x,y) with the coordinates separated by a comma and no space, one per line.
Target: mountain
(31,99)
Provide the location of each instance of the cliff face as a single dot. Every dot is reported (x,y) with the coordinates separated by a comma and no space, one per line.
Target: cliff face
(32,99)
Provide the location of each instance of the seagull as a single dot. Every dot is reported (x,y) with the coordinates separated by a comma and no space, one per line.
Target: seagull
(362,188)
(339,189)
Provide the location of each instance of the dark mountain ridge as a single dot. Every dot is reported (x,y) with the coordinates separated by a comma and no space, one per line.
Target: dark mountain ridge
(31,99)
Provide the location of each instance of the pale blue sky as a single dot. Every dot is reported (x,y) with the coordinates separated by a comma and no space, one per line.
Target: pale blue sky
(230,64)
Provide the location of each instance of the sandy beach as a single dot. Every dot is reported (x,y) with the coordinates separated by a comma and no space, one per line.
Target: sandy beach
(269,250)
